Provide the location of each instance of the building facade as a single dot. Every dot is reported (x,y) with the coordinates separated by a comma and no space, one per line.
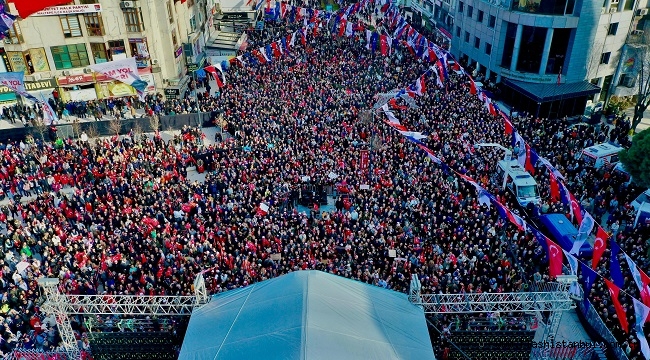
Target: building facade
(55,46)
(550,56)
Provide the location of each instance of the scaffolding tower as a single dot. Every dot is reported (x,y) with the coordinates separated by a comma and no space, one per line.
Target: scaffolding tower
(62,306)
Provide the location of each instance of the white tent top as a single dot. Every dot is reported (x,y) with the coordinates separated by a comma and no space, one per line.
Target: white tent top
(308,315)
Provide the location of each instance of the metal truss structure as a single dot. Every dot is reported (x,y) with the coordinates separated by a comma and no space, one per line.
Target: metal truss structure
(547,297)
(62,306)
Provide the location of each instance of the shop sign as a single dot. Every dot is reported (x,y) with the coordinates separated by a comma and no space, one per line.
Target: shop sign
(69,9)
(178,51)
(172,93)
(33,86)
(235,16)
(5,59)
(192,67)
(75,79)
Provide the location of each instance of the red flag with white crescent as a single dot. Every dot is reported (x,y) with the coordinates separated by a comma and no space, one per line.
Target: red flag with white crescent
(600,244)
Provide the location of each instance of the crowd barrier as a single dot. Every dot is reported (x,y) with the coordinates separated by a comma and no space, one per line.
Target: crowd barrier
(105,128)
(598,327)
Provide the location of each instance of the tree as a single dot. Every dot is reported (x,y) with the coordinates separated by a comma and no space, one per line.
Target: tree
(40,127)
(643,94)
(154,122)
(115,125)
(636,160)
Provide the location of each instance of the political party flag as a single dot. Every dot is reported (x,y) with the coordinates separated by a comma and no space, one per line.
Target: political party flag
(125,71)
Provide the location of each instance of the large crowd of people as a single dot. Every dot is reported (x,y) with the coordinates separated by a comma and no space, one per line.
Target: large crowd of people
(119,216)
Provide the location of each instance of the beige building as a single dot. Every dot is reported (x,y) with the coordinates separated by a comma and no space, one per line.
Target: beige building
(55,46)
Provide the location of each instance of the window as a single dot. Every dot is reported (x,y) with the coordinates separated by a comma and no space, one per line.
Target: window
(99,52)
(461,7)
(470,11)
(70,56)
(458,31)
(492,21)
(466,36)
(488,48)
(94,24)
(70,25)
(133,19)
(170,12)
(15,35)
(480,16)
(174,39)
(613,28)
(116,47)
(604,58)
(477,42)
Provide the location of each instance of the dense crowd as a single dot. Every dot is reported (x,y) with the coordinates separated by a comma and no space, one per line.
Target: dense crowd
(119,216)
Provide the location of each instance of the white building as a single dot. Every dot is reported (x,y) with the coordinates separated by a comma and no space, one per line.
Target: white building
(55,46)
(526,45)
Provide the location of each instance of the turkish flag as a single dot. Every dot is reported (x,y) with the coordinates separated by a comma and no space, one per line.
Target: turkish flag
(575,207)
(620,312)
(600,244)
(383,45)
(508,125)
(28,7)
(555,258)
(472,86)
(555,187)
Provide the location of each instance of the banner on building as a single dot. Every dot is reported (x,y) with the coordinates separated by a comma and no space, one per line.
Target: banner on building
(69,10)
(126,71)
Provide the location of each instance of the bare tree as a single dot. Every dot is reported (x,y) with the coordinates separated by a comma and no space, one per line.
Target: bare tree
(115,125)
(154,122)
(40,127)
(137,132)
(643,94)
(92,132)
(76,128)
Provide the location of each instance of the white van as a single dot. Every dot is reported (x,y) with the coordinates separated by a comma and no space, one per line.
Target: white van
(601,154)
(519,182)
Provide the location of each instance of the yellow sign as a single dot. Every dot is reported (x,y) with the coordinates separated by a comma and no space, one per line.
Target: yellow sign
(17,61)
(114,89)
(39,59)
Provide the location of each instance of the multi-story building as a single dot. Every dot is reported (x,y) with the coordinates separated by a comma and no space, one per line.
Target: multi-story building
(55,46)
(550,56)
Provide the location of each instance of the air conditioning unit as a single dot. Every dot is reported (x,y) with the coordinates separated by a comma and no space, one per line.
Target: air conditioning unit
(637,32)
(88,71)
(641,12)
(127,4)
(613,9)
(29,78)
(154,62)
(37,76)
(66,73)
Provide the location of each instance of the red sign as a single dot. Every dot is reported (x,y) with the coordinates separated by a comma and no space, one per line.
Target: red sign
(365,159)
(75,79)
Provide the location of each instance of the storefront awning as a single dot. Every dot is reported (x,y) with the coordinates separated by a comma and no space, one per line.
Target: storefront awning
(549,92)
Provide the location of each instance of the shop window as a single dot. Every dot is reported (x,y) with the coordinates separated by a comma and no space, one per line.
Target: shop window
(70,56)
(70,25)
(94,24)
(133,20)
(99,52)
(15,34)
